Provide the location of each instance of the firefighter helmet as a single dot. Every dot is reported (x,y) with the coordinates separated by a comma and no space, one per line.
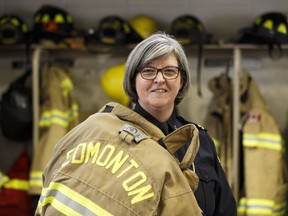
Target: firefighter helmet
(144,25)
(188,29)
(54,23)
(13,30)
(271,27)
(114,30)
(112,84)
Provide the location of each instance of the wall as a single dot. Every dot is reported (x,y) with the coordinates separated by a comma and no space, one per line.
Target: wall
(222,18)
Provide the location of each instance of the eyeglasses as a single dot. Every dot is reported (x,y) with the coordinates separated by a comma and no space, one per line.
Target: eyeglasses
(150,73)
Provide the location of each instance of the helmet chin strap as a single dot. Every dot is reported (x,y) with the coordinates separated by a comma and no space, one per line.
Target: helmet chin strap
(199,67)
(275,51)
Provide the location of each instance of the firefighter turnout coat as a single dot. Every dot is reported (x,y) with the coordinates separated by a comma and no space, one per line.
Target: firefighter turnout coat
(263,171)
(219,121)
(118,163)
(58,114)
(265,186)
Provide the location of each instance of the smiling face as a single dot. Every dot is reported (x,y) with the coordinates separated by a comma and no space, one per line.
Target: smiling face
(157,96)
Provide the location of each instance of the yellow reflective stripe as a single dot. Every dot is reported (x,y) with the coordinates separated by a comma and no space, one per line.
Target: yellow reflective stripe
(67,86)
(263,140)
(55,203)
(69,202)
(60,207)
(261,207)
(35,179)
(216,142)
(280,209)
(17,184)
(3,179)
(62,118)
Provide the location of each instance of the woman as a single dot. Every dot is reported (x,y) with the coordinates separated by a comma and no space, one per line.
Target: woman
(123,161)
(156,80)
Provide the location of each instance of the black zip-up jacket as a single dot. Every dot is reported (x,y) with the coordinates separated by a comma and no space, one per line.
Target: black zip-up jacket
(213,194)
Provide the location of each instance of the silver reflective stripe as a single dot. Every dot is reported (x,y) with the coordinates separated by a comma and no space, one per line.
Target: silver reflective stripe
(138,134)
(69,202)
(263,140)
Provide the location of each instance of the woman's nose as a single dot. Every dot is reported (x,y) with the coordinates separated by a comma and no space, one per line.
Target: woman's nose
(159,77)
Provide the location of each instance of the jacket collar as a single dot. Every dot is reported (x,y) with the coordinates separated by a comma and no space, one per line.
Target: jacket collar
(166,127)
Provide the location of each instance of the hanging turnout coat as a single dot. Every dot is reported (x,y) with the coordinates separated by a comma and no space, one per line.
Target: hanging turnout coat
(219,121)
(58,114)
(265,182)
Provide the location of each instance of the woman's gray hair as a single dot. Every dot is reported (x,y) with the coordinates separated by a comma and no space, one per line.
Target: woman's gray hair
(157,45)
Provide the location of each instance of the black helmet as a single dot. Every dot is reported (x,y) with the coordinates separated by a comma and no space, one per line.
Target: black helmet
(51,22)
(114,30)
(13,30)
(188,30)
(16,110)
(270,27)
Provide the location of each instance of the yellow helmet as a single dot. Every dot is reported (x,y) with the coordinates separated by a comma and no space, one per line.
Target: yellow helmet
(144,25)
(112,84)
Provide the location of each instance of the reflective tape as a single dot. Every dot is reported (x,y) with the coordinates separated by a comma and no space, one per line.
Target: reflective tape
(69,202)
(263,140)
(3,179)
(56,116)
(17,184)
(261,207)
(35,179)
(216,143)
(67,86)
